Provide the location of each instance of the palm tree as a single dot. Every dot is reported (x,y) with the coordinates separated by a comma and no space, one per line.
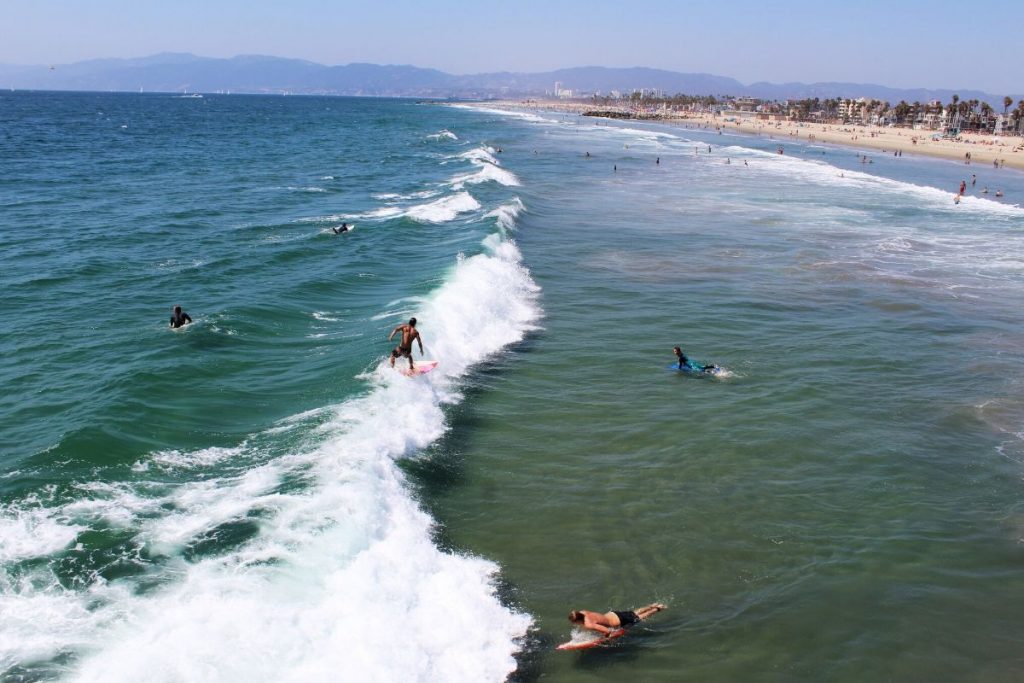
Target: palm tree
(1007,101)
(901,110)
(986,114)
(953,110)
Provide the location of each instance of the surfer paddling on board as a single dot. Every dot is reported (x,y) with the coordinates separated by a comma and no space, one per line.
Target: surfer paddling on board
(686,364)
(179,318)
(404,348)
(344,228)
(610,622)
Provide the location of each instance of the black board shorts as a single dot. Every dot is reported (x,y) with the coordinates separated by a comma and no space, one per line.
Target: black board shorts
(626,618)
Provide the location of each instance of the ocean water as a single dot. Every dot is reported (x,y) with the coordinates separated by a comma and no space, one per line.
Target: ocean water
(259,497)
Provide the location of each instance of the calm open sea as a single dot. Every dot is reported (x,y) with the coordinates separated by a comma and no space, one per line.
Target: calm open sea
(258,497)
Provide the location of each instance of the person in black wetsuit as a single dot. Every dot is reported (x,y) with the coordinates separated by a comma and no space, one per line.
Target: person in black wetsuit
(684,361)
(179,318)
(609,622)
(344,228)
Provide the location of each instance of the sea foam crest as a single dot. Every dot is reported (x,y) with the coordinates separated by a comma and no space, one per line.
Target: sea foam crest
(506,214)
(334,574)
(443,134)
(479,154)
(444,209)
(824,173)
(29,532)
(489,170)
(526,116)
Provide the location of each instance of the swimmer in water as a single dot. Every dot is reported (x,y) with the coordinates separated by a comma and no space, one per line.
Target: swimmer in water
(179,318)
(344,228)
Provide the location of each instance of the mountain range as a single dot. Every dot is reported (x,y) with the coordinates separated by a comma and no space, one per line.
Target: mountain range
(172,72)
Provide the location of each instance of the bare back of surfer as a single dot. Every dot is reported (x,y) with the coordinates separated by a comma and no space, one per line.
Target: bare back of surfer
(610,622)
(404,348)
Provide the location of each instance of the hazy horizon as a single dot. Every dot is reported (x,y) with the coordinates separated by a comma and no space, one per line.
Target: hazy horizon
(913,45)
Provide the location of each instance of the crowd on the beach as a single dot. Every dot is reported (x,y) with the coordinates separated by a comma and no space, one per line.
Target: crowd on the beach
(987,148)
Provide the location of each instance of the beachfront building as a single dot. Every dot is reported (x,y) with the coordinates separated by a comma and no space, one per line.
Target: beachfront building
(746,104)
(849,110)
(562,93)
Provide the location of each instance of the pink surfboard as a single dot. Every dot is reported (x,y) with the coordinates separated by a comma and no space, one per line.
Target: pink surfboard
(421,367)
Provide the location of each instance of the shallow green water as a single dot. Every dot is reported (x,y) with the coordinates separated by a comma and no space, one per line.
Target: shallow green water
(845,507)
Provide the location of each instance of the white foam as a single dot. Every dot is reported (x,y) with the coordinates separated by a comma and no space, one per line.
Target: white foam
(30,532)
(305,189)
(487,173)
(526,116)
(336,573)
(479,154)
(382,212)
(488,169)
(824,173)
(444,209)
(173,459)
(648,135)
(506,214)
(444,134)
(394,196)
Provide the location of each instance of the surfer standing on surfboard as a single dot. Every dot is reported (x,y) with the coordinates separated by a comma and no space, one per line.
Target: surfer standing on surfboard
(609,622)
(404,348)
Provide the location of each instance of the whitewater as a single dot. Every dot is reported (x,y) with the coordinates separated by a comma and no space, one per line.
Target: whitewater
(331,570)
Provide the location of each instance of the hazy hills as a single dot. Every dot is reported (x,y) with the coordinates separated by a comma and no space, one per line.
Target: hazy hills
(261,74)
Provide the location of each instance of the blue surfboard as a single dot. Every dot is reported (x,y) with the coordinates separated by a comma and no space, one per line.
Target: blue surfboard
(694,368)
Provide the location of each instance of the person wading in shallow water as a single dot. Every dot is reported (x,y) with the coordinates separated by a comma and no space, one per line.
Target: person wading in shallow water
(404,348)
(609,622)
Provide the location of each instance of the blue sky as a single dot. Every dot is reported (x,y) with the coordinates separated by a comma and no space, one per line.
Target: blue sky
(903,43)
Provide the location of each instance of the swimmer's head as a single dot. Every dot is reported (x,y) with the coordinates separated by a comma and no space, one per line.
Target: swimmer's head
(412,322)
(575,616)
(177,309)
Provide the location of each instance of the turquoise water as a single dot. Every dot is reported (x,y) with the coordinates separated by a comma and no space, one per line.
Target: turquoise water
(257,497)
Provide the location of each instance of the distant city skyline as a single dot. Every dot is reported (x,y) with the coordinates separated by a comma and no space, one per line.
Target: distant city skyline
(913,44)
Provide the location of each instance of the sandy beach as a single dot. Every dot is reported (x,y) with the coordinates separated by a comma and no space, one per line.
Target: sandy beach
(986,150)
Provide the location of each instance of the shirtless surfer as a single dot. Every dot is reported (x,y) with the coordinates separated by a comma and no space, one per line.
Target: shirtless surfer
(404,348)
(609,622)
